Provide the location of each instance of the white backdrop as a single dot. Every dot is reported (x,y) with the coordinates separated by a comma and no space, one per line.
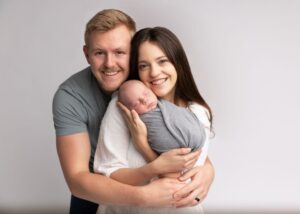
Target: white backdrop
(244,56)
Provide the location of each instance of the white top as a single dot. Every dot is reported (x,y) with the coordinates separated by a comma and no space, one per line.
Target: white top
(115,150)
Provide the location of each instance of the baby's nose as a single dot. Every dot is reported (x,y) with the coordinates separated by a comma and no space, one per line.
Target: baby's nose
(144,100)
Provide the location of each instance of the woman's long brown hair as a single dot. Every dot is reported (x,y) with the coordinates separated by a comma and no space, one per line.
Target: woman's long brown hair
(186,88)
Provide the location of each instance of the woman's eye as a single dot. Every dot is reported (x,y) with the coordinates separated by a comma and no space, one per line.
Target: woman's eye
(142,66)
(162,61)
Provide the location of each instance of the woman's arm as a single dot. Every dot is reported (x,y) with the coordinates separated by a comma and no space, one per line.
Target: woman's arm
(172,161)
(203,174)
(169,162)
(111,153)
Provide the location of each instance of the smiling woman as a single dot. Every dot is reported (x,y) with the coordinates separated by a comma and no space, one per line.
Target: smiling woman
(182,123)
(156,71)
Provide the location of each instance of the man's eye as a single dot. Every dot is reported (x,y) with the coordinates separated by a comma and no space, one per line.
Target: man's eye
(99,53)
(120,52)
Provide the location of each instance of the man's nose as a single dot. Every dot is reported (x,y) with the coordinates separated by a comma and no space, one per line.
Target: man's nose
(109,61)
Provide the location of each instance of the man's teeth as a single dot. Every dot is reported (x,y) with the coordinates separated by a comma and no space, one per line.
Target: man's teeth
(158,82)
(110,73)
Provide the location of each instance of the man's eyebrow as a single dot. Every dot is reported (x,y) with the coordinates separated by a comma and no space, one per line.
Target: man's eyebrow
(97,49)
(121,49)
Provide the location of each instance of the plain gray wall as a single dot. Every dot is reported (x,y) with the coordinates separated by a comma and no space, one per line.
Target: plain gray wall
(245,59)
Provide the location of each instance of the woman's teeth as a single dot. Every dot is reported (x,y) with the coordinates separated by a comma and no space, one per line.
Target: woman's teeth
(158,82)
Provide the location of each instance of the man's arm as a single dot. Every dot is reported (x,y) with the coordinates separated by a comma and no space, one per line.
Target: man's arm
(202,177)
(74,153)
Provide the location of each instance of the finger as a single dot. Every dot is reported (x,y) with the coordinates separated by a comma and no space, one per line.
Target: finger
(192,156)
(189,200)
(185,190)
(125,113)
(188,174)
(191,164)
(135,116)
(181,151)
(123,108)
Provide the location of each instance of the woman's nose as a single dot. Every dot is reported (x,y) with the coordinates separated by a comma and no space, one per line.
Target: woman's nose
(155,70)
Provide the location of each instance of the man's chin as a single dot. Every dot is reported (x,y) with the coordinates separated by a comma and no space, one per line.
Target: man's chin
(111,89)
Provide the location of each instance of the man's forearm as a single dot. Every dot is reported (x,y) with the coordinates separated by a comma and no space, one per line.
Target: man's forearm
(101,189)
(74,154)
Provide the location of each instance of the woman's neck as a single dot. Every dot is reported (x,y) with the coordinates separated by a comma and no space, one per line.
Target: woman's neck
(180,102)
(176,100)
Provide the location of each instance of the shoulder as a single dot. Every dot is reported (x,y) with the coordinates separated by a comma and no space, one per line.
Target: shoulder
(201,112)
(70,90)
(78,81)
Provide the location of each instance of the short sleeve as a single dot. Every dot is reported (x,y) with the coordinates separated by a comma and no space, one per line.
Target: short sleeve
(203,116)
(69,116)
(114,139)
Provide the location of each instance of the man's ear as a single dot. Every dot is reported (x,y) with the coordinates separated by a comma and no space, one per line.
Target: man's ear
(86,53)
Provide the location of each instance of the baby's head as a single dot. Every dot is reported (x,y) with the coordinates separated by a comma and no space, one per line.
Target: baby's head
(135,95)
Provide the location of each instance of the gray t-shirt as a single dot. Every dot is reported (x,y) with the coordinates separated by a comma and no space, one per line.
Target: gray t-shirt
(79,106)
(170,126)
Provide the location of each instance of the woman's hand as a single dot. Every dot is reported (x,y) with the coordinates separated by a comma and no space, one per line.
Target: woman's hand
(201,179)
(175,160)
(135,124)
(138,131)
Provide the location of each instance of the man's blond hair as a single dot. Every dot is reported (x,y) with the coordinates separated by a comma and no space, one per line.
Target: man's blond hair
(106,20)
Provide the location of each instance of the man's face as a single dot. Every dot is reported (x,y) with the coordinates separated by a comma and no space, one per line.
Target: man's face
(108,55)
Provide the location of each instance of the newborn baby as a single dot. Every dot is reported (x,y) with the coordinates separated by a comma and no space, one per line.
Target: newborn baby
(169,126)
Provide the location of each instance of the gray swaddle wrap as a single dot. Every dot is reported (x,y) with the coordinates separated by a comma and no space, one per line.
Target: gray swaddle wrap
(170,126)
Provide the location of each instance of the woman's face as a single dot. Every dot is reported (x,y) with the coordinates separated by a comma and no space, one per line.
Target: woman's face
(156,71)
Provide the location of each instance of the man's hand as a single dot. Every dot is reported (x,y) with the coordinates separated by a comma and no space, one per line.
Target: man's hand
(201,179)
(159,193)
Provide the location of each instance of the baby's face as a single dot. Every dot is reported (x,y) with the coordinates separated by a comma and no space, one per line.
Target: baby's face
(142,99)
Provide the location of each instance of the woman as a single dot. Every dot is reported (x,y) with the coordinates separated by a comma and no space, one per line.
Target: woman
(159,61)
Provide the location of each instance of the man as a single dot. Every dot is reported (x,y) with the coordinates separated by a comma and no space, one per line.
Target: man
(78,108)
